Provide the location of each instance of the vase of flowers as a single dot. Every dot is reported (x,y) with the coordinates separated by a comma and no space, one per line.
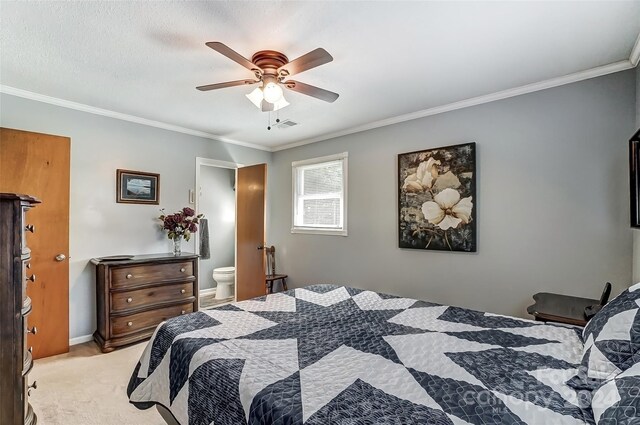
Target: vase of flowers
(180,225)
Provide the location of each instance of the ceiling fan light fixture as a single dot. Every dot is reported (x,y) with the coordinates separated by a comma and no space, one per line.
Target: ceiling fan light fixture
(280,104)
(272,92)
(256,97)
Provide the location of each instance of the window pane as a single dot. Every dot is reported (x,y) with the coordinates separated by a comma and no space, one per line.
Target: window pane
(325,179)
(321,212)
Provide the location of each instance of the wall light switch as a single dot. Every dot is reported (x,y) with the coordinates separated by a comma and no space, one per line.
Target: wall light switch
(192,196)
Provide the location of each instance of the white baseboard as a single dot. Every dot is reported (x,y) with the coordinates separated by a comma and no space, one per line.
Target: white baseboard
(80,339)
(208,291)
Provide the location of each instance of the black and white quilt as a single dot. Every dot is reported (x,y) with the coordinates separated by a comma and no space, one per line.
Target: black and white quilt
(330,354)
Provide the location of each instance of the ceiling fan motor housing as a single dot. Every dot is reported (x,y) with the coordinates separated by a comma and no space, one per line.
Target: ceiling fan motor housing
(269,61)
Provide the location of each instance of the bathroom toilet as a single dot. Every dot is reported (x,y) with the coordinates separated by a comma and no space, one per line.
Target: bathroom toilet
(226,278)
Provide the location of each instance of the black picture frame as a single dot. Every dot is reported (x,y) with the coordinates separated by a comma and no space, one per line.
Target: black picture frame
(137,187)
(455,163)
(634,174)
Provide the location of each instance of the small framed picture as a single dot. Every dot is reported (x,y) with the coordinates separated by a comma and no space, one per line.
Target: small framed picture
(137,187)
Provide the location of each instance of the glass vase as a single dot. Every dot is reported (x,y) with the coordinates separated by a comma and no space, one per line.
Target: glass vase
(177,245)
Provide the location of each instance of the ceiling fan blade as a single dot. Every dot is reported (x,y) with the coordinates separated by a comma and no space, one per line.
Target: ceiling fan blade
(266,106)
(309,90)
(227,84)
(232,54)
(312,59)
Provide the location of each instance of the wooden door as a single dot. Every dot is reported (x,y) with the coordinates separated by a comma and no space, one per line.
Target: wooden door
(250,223)
(38,165)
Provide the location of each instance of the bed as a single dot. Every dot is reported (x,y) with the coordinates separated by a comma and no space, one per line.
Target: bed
(328,354)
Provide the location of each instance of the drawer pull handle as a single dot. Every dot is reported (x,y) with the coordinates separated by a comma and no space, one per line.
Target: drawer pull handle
(28,265)
(30,227)
(33,386)
(129,324)
(32,278)
(183,291)
(129,299)
(30,349)
(33,330)
(182,312)
(129,276)
(183,269)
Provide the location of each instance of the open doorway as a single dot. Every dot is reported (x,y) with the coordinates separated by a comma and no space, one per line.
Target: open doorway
(216,241)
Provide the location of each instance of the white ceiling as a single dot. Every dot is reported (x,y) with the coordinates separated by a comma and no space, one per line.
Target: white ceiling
(390,58)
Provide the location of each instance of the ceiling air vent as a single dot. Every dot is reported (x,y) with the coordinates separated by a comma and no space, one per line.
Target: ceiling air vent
(286,124)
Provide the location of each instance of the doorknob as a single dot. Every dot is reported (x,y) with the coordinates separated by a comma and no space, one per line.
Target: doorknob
(61,257)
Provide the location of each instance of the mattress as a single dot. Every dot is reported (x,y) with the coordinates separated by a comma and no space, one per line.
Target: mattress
(328,354)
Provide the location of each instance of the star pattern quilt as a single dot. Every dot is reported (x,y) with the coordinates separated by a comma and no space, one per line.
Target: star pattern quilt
(328,354)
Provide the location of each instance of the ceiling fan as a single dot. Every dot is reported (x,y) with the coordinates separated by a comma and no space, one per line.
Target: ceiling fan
(271,68)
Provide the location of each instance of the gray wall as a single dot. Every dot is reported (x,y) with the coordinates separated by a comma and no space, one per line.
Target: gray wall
(637,96)
(218,204)
(99,226)
(552,202)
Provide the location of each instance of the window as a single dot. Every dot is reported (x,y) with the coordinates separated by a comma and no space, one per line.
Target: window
(320,195)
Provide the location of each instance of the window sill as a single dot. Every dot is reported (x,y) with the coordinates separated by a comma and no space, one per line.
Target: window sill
(314,231)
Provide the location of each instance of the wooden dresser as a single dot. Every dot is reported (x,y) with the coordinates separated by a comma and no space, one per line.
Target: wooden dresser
(136,294)
(15,359)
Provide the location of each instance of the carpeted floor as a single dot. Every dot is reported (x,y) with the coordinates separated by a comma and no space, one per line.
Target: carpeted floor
(86,387)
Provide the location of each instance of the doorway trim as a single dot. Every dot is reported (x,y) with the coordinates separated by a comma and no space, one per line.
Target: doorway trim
(201,161)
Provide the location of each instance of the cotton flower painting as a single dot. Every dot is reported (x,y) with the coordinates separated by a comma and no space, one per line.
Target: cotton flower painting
(437,199)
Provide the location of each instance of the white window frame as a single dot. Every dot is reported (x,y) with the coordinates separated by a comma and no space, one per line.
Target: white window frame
(307,163)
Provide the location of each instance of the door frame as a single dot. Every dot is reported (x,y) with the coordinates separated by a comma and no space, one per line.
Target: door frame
(201,161)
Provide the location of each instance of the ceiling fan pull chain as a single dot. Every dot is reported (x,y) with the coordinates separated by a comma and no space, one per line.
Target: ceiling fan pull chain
(269,122)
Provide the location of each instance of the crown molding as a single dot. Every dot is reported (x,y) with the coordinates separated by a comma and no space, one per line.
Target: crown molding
(474,101)
(634,57)
(125,117)
(599,71)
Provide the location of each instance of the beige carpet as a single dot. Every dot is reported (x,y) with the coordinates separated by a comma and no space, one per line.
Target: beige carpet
(86,387)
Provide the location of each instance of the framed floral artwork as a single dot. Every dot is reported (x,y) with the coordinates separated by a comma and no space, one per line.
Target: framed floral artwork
(437,198)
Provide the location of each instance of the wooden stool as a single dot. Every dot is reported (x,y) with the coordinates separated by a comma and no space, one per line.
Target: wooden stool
(272,276)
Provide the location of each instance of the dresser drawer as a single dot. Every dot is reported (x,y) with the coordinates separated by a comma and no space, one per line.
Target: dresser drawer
(26,309)
(29,416)
(28,329)
(26,229)
(148,296)
(28,275)
(23,235)
(148,319)
(27,364)
(122,277)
